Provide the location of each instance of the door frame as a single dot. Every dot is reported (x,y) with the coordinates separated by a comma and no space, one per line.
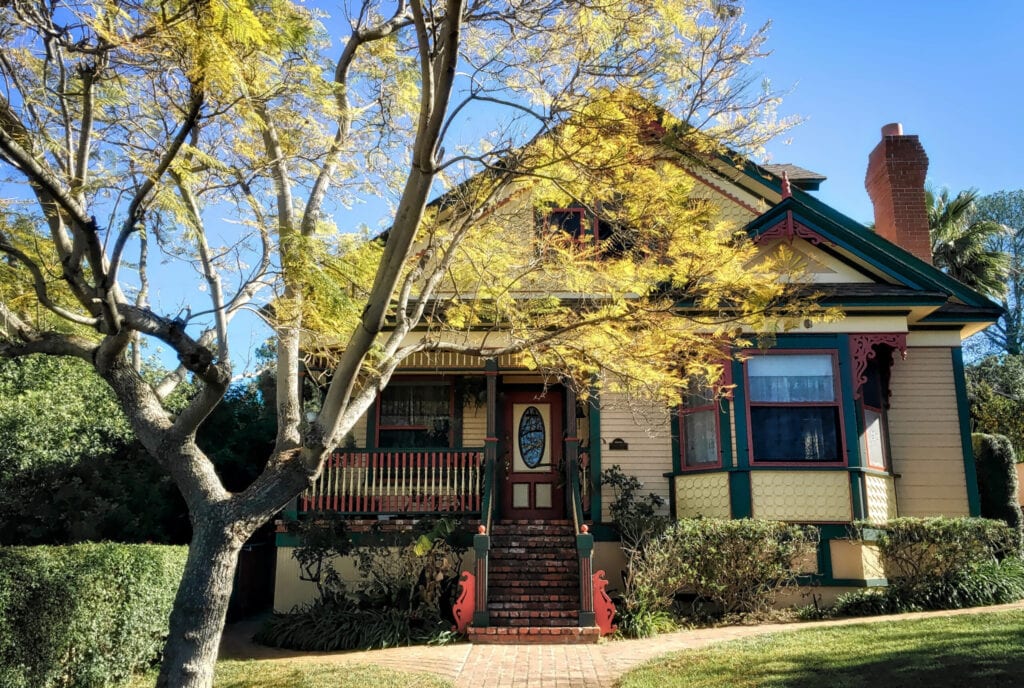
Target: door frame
(524,394)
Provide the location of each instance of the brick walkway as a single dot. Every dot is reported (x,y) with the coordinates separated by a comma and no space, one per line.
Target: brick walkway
(542,666)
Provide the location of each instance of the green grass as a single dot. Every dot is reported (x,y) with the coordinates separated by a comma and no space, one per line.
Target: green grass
(971,650)
(285,674)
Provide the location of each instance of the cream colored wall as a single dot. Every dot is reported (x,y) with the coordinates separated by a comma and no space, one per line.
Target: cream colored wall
(1020,483)
(703,494)
(808,496)
(358,430)
(648,433)
(474,425)
(855,560)
(881,498)
(924,435)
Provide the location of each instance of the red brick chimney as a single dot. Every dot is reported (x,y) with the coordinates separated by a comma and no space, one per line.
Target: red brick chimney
(895,183)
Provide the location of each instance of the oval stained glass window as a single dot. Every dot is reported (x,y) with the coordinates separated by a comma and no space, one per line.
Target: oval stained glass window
(531,436)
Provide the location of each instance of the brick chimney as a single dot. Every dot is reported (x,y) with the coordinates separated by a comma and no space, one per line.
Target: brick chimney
(895,182)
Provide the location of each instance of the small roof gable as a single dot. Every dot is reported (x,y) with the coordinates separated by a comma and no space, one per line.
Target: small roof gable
(807,215)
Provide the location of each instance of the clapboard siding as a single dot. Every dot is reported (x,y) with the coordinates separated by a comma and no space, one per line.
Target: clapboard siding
(649,455)
(924,434)
(474,425)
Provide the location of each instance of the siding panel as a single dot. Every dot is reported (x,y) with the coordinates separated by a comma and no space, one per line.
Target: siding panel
(924,435)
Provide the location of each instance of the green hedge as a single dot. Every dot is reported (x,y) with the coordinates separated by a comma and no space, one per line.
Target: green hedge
(85,615)
(997,480)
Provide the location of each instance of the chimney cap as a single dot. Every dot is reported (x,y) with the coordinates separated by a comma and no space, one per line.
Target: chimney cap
(893,129)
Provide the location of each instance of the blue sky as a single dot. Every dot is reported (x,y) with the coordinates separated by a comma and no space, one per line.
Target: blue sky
(951,72)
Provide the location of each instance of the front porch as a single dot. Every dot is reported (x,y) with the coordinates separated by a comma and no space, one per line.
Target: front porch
(509,456)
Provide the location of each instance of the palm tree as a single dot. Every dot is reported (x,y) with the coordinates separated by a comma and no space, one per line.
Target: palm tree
(965,247)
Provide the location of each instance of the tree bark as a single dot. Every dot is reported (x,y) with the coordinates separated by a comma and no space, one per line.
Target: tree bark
(201,604)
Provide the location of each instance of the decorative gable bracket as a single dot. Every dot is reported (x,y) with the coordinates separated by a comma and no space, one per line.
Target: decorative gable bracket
(864,348)
(789,228)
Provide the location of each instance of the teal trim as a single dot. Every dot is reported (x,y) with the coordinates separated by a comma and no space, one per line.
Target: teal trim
(595,456)
(740,503)
(739,395)
(851,419)
(287,540)
(724,433)
(604,532)
(858,499)
(677,447)
(963,411)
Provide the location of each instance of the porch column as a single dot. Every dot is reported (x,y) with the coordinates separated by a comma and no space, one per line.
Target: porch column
(482,540)
(572,454)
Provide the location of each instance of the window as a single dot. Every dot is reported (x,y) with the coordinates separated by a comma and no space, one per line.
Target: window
(794,408)
(873,396)
(572,221)
(415,414)
(698,430)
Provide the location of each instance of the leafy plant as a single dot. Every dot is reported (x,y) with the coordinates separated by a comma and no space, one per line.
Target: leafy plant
(739,565)
(401,597)
(925,553)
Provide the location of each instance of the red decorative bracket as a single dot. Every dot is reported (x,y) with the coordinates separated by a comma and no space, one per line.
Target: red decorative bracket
(604,608)
(863,349)
(788,229)
(465,604)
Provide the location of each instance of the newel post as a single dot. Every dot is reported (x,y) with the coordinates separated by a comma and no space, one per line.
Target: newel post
(585,551)
(481,546)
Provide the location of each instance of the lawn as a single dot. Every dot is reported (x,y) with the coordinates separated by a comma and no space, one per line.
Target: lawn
(284,674)
(971,650)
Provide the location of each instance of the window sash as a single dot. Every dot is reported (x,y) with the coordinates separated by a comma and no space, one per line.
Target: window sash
(794,410)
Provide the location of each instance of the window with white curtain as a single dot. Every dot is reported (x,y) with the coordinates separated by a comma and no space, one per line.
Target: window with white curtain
(794,408)
(698,429)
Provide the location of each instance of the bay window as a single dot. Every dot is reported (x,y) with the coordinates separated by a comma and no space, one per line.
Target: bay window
(794,409)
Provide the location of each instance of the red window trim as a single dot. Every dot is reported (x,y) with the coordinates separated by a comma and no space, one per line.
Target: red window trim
(419,379)
(683,412)
(585,221)
(838,404)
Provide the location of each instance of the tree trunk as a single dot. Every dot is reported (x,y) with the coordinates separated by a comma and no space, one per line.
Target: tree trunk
(200,606)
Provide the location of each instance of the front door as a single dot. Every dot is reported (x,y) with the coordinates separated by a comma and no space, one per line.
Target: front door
(533,455)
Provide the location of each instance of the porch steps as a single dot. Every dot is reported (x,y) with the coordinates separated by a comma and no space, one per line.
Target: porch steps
(533,585)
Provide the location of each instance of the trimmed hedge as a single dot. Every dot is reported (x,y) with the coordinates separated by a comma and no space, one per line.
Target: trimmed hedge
(739,565)
(997,480)
(84,616)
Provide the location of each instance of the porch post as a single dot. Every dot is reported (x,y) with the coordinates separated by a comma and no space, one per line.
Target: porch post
(585,551)
(482,540)
(572,452)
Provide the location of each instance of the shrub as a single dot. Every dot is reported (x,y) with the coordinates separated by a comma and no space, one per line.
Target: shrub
(923,553)
(643,608)
(997,480)
(403,597)
(85,615)
(740,565)
(981,584)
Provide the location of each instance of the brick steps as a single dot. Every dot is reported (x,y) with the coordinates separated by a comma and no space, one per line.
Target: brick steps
(533,585)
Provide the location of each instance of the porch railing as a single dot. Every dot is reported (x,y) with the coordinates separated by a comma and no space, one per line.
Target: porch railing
(396,481)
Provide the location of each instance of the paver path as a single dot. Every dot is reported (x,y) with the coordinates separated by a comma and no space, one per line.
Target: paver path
(542,666)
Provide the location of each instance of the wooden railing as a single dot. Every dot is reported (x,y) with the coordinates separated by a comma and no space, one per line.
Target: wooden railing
(396,481)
